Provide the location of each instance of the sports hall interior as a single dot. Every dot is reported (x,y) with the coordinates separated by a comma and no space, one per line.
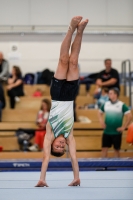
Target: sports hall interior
(36,29)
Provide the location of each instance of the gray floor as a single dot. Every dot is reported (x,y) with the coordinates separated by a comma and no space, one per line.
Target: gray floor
(106,185)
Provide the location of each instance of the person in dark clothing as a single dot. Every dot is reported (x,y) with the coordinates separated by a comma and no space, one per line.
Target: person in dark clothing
(2,101)
(108,78)
(15,86)
(4,68)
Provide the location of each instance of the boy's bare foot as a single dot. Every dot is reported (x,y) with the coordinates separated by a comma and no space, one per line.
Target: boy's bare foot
(75,183)
(41,184)
(74,23)
(82,25)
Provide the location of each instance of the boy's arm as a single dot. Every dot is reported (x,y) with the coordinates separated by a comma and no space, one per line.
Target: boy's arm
(46,157)
(17,83)
(101,120)
(97,85)
(128,117)
(127,122)
(112,81)
(72,151)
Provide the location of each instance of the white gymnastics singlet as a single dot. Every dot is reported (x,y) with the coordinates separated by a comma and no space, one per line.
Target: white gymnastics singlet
(61,117)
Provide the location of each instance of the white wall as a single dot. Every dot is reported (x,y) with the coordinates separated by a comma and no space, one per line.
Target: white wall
(59,12)
(41,51)
(37,52)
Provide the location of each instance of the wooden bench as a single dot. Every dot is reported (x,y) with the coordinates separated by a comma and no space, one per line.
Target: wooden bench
(83,100)
(87,135)
(13,126)
(23,117)
(91,140)
(83,143)
(30,114)
(91,114)
(124,99)
(39,155)
(28,102)
(30,89)
(86,140)
(19,115)
(82,90)
(35,102)
(7,126)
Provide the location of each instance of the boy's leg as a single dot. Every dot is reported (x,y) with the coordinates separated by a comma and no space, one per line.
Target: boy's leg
(116,153)
(117,139)
(11,93)
(61,71)
(104,152)
(73,71)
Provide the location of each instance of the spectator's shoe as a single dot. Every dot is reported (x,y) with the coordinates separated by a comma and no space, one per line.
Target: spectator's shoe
(33,148)
(17,99)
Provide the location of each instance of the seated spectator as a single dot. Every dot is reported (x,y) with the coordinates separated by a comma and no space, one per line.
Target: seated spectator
(107,78)
(41,121)
(2,101)
(102,99)
(15,86)
(4,69)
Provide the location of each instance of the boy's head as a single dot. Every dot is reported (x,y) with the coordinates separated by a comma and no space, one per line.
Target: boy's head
(114,94)
(45,105)
(108,64)
(58,146)
(105,90)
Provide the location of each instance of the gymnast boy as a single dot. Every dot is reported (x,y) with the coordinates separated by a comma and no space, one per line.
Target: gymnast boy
(64,87)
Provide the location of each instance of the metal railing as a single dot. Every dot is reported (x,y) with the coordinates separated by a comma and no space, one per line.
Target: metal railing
(127,79)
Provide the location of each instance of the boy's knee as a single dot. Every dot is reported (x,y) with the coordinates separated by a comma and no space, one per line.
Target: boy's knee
(73,64)
(64,59)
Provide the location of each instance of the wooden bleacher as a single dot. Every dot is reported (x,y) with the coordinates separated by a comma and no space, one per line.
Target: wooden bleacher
(35,102)
(87,135)
(14,126)
(19,115)
(86,140)
(29,115)
(28,101)
(30,89)
(82,90)
(39,155)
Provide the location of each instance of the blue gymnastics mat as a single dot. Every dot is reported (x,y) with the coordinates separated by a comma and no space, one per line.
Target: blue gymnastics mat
(65,164)
(95,185)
